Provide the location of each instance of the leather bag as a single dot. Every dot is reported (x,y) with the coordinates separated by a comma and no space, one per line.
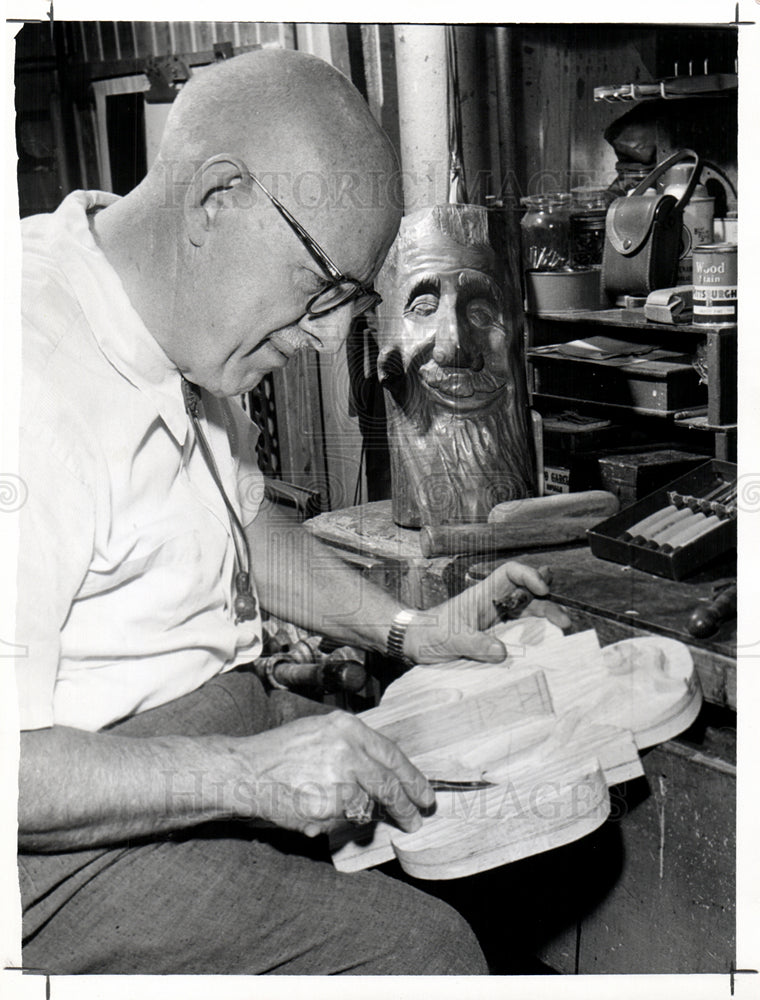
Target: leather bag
(643,234)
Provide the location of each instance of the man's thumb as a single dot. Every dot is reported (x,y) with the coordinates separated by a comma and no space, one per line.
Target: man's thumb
(472,645)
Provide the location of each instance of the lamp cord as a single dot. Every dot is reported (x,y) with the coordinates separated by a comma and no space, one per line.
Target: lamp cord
(244,602)
(457,178)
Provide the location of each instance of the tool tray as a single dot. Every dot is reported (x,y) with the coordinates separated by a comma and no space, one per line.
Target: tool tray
(606,541)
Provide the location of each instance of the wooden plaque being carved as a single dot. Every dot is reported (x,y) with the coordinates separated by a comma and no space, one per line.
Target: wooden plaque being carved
(552,728)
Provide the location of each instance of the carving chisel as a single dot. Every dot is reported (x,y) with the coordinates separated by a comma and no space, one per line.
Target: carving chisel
(442,785)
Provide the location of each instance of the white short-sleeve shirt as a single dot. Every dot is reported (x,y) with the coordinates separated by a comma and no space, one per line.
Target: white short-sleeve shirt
(126,559)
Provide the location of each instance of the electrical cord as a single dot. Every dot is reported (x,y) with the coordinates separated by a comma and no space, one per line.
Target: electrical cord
(244,603)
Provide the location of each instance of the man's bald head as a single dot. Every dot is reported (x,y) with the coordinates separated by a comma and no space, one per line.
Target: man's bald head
(219,276)
(279,105)
(297,123)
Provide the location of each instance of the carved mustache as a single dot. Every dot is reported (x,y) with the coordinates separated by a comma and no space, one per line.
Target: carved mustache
(392,367)
(461,382)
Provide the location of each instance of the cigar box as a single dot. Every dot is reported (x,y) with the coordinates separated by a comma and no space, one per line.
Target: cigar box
(608,540)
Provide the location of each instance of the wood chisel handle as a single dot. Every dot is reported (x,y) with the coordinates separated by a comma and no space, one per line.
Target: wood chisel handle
(518,599)
(651,523)
(348,675)
(284,672)
(675,523)
(694,528)
(706,619)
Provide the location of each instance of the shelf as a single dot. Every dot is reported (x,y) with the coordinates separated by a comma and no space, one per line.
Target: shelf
(595,404)
(719,344)
(673,88)
(702,423)
(630,319)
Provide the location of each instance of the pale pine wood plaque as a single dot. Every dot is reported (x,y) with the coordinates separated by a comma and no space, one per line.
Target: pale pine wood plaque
(552,727)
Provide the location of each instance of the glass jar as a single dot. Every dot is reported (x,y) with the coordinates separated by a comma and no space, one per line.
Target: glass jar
(587,220)
(629,175)
(545,228)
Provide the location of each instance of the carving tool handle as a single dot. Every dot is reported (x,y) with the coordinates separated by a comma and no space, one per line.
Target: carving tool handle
(349,675)
(698,526)
(340,675)
(518,599)
(649,524)
(706,619)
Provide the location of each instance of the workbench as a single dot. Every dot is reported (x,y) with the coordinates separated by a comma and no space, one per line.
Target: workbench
(653,889)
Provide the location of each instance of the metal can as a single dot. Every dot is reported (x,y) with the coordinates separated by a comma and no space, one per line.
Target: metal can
(697,215)
(697,231)
(726,230)
(714,280)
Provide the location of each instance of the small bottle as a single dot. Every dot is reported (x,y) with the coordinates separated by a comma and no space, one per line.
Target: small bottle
(587,221)
(545,230)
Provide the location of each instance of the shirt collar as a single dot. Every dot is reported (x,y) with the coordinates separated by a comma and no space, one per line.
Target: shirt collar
(121,334)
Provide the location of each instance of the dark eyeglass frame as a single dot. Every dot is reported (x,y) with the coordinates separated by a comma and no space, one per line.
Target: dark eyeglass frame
(355,291)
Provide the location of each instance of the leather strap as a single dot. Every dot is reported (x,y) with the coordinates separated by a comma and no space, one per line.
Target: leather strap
(678,157)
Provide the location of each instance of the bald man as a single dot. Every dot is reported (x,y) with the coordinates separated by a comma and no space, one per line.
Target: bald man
(169,808)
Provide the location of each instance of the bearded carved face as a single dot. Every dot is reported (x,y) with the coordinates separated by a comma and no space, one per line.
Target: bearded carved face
(449,362)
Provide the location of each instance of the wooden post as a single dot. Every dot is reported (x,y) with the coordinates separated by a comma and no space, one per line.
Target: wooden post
(323,441)
(423,127)
(473,97)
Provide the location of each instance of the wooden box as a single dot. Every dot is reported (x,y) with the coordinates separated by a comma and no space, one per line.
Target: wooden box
(606,542)
(572,433)
(634,475)
(656,387)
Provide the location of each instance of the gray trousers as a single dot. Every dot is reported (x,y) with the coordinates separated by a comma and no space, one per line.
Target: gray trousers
(226,899)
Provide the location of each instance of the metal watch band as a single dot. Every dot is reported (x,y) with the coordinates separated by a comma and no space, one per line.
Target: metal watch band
(394,646)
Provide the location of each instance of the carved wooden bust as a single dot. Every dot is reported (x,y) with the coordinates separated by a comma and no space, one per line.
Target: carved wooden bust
(450,361)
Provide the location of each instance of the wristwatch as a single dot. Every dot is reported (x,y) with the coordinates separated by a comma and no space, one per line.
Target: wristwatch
(394,646)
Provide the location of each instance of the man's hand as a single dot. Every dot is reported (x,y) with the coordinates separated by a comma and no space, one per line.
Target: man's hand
(303,775)
(453,630)
(81,790)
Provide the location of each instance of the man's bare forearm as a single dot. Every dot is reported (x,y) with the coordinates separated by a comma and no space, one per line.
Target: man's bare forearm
(302,581)
(79,789)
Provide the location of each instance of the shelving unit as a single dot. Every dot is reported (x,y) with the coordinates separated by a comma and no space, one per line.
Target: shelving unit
(646,917)
(719,357)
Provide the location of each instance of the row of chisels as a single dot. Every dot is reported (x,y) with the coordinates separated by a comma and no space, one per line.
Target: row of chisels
(684,519)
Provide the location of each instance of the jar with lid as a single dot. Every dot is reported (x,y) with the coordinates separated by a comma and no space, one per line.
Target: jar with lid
(629,176)
(545,228)
(588,213)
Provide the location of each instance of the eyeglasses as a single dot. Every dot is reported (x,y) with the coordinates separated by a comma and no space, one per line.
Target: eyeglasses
(341,289)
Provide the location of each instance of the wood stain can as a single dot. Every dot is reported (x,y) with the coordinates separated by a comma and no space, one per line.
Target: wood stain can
(714,280)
